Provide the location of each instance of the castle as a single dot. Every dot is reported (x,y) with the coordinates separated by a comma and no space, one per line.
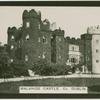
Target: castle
(36,40)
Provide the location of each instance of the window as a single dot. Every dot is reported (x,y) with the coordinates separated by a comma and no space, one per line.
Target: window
(97,50)
(73,48)
(27,37)
(39,26)
(11,60)
(59,56)
(43,56)
(39,40)
(12,37)
(44,39)
(97,41)
(27,24)
(45,23)
(12,47)
(26,57)
(59,39)
(73,60)
(97,61)
(51,37)
(39,57)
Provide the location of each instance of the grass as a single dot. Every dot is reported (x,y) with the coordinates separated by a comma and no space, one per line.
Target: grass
(13,87)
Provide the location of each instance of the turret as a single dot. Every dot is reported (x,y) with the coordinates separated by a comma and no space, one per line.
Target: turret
(93,30)
(31,19)
(11,34)
(45,25)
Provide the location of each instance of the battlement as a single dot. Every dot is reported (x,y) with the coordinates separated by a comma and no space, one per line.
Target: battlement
(73,40)
(31,13)
(93,30)
(59,32)
(45,25)
(45,22)
(11,30)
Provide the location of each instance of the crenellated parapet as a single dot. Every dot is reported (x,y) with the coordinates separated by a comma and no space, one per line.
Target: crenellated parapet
(59,32)
(93,30)
(16,33)
(31,19)
(45,25)
(11,30)
(31,14)
(73,40)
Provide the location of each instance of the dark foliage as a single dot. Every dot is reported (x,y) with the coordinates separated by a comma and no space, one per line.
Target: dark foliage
(11,70)
(79,66)
(19,70)
(5,69)
(42,67)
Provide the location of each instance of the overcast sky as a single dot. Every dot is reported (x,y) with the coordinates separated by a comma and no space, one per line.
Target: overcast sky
(74,20)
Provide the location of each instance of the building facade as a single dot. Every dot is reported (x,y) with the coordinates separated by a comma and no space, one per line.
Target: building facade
(91,48)
(73,51)
(95,47)
(35,40)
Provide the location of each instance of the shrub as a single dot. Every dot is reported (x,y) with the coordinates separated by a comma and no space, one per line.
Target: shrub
(5,71)
(60,69)
(79,66)
(42,67)
(19,70)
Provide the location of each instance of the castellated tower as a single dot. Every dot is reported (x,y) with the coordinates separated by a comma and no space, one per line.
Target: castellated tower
(32,41)
(14,44)
(86,50)
(91,49)
(95,43)
(58,47)
(30,33)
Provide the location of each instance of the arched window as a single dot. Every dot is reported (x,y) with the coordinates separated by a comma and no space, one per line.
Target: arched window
(27,37)
(39,40)
(12,47)
(11,60)
(27,24)
(39,26)
(59,56)
(26,57)
(12,37)
(43,55)
(44,39)
(59,39)
(73,60)
(39,56)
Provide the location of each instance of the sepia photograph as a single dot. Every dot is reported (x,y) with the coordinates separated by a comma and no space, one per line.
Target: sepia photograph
(49,50)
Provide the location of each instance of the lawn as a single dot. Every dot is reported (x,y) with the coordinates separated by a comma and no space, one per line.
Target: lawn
(12,87)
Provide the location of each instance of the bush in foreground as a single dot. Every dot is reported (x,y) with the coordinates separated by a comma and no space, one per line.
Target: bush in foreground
(19,70)
(42,67)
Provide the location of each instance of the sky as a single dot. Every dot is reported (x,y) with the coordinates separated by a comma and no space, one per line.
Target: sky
(73,20)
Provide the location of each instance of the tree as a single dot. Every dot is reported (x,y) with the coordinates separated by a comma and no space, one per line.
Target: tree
(5,69)
(19,69)
(42,67)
